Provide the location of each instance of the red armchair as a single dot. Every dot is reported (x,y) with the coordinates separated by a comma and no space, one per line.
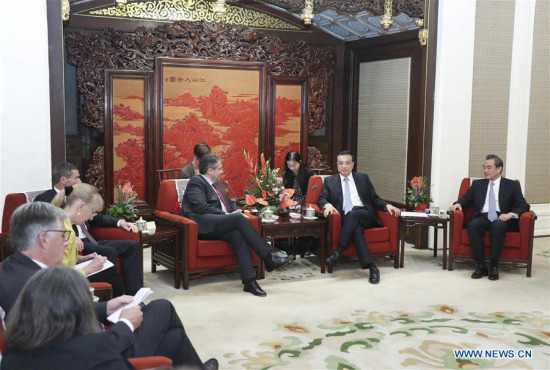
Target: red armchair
(200,257)
(517,247)
(382,241)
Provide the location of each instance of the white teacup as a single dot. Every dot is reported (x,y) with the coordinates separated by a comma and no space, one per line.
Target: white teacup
(310,212)
(267,215)
(141,224)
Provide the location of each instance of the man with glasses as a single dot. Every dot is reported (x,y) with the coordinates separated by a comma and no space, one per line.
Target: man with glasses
(38,238)
(66,174)
(353,196)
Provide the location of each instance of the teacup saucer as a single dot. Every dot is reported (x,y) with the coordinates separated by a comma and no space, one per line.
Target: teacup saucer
(310,218)
(268,221)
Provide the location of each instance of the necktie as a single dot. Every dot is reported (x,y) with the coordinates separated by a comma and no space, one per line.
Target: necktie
(222,198)
(87,233)
(492,215)
(347,197)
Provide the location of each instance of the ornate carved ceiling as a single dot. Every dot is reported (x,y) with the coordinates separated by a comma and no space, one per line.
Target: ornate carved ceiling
(346,20)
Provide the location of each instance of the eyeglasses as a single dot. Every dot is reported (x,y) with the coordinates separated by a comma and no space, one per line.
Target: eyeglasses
(66,233)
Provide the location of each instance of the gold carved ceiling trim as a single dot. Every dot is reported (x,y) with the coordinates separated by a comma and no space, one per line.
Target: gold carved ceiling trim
(191,11)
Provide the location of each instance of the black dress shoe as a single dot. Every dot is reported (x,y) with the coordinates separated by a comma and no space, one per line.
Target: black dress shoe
(211,364)
(254,288)
(277,262)
(333,259)
(374,277)
(480,272)
(493,273)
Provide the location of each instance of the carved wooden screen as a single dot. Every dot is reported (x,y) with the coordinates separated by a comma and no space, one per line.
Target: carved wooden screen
(219,102)
(288,110)
(128,123)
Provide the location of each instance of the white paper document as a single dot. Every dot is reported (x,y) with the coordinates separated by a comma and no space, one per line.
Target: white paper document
(140,296)
(413,214)
(106,265)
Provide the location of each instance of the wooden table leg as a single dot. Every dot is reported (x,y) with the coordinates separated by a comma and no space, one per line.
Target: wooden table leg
(153,265)
(436,228)
(445,246)
(323,249)
(402,242)
(177,262)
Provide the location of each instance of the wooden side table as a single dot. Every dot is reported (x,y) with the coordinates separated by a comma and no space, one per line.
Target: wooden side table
(287,227)
(165,250)
(435,222)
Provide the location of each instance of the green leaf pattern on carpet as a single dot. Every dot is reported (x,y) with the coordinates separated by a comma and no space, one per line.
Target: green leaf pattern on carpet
(410,339)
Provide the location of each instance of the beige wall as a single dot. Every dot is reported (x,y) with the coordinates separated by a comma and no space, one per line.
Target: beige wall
(491,83)
(383,120)
(538,139)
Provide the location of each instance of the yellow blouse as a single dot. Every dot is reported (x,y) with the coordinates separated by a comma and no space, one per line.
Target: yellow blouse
(70,256)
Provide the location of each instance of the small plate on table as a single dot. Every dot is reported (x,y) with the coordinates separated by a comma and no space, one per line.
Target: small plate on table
(266,221)
(310,218)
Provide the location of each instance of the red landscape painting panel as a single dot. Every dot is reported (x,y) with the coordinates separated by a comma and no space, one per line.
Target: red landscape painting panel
(288,121)
(217,105)
(129,133)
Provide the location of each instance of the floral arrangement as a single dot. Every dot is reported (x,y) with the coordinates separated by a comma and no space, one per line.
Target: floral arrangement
(419,192)
(125,197)
(266,186)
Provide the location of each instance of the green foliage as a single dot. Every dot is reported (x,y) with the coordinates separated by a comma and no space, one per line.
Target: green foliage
(419,191)
(125,205)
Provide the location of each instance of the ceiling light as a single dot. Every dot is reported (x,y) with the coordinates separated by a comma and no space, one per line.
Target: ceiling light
(386,20)
(307,12)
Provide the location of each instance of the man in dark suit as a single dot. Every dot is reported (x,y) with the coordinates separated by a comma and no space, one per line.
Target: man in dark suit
(353,196)
(38,237)
(498,203)
(66,174)
(206,202)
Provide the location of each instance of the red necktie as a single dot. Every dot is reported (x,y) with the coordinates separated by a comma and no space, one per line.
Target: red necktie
(227,208)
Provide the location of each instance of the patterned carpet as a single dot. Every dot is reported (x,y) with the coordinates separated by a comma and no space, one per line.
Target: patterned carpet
(415,318)
(424,339)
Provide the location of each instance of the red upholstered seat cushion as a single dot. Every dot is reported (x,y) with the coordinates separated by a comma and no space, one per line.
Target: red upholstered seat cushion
(511,240)
(214,248)
(377,234)
(150,362)
(378,239)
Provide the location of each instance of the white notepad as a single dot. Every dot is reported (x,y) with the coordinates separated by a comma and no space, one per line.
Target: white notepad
(140,296)
(413,214)
(106,265)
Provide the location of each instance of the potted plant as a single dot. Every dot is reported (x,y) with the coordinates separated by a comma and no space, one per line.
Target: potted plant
(418,194)
(266,188)
(125,198)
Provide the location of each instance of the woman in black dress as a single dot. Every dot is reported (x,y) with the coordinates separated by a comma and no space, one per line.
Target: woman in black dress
(296,176)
